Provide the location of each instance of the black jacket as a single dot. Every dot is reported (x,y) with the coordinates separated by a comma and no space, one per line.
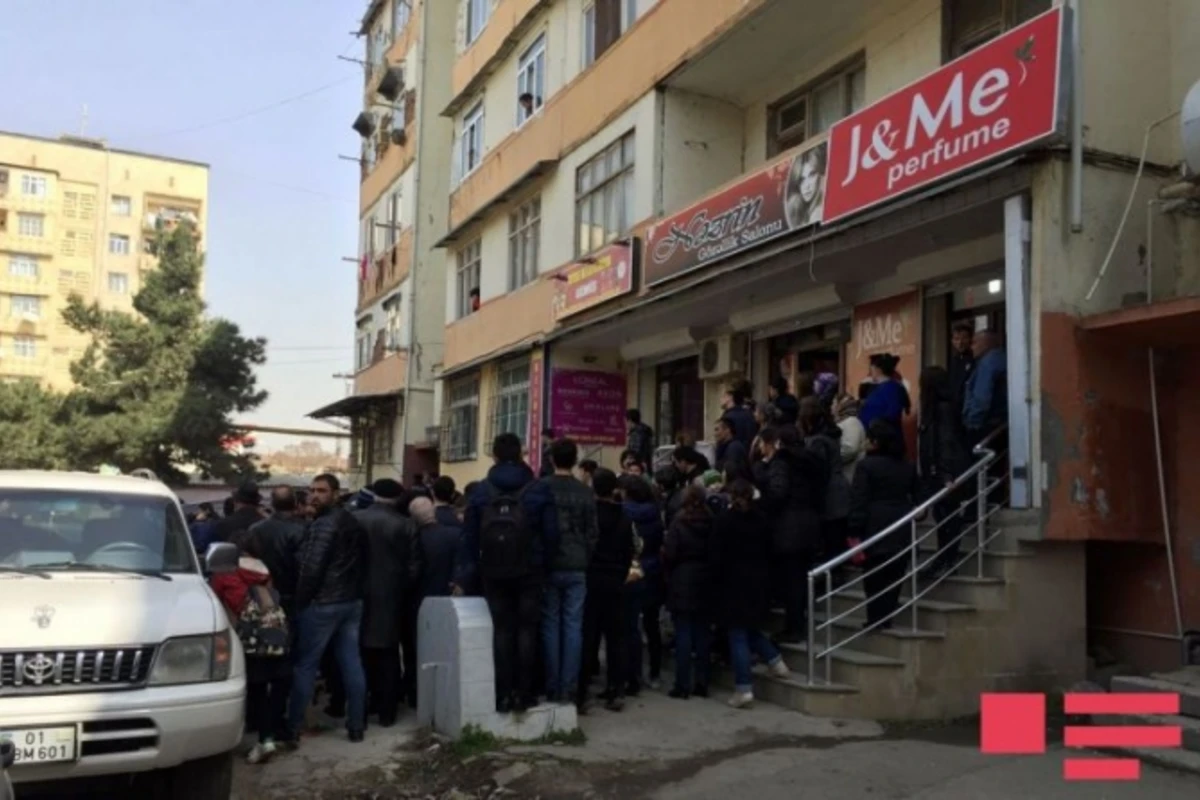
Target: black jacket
(788,407)
(279,539)
(504,478)
(733,455)
(827,445)
(562,512)
(331,564)
(960,368)
(640,440)
(941,443)
(885,489)
(686,554)
(791,497)
(743,424)
(439,545)
(241,520)
(613,555)
(740,558)
(448,516)
(392,571)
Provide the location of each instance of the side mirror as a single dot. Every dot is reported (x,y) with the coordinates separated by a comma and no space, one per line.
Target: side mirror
(221,557)
(8,754)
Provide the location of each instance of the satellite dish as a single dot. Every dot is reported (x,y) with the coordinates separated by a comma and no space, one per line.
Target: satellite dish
(1190,134)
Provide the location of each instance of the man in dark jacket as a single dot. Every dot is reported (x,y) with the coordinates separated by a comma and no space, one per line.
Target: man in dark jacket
(246,512)
(279,537)
(444,495)
(732,455)
(603,615)
(562,512)
(784,402)
(438,544)
(962,360)
(985,405)
(512,586)
(329,604)
(393,568)
(547,466)
(640,438)
(741,419)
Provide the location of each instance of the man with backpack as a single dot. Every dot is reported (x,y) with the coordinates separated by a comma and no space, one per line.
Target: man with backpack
(499,550)
(562,512)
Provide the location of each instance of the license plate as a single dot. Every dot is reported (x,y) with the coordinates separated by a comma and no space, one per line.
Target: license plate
(42,745)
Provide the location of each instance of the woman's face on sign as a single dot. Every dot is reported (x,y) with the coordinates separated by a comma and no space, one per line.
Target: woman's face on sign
(809,180)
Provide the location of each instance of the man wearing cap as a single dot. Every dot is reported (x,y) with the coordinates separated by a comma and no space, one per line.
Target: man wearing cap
(246,512)
(393,570)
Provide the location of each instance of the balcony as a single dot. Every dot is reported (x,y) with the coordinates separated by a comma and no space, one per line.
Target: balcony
(668,35)
(404,39)
(509,21)
(14,367)
(391,162)
(40,285)
(508,320)
(387,374)
(21,325)
(388,271)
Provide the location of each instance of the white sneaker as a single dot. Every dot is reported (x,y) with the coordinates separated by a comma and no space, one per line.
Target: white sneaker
(741,700)
(261,752)
(779,669)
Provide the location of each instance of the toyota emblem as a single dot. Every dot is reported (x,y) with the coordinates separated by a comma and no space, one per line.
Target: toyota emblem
(38,669)
(43,616)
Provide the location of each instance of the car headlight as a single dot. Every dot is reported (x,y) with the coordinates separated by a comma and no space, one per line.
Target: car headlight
(193,659)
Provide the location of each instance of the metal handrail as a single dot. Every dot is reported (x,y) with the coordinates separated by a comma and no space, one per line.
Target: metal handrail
(986,456)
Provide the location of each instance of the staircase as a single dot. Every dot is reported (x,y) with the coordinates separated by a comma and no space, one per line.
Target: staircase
(1020,626)
(1186,684)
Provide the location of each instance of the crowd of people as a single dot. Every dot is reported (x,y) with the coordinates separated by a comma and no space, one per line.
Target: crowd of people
(574,557)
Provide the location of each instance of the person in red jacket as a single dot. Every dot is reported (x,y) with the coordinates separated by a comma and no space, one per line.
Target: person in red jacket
(267,677)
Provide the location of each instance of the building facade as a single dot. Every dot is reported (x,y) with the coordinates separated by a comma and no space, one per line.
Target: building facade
(78,217)
(405,173)
(651,199)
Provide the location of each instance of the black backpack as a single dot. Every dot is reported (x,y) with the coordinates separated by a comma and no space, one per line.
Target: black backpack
(505,539)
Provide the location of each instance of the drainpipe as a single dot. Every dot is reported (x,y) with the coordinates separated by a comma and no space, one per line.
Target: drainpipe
(1076,121)
(426,9)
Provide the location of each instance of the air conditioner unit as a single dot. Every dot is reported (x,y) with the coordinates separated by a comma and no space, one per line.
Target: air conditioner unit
(391,86)
(399,136)
(722,356)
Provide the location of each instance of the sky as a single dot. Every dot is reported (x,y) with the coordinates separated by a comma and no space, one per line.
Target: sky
(166,77)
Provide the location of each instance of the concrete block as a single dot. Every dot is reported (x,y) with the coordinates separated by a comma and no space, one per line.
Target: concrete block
(1189,697)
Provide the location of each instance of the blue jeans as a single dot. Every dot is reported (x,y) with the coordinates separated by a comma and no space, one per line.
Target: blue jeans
(318,625)
(742,642)
(691,636)
(562,632)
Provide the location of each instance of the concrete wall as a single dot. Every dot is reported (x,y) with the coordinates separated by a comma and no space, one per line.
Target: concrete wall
(700,147)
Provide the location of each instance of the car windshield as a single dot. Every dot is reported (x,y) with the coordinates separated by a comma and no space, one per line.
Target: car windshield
(51,530)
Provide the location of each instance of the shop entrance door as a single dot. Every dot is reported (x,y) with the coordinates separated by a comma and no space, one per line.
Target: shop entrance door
(680,401)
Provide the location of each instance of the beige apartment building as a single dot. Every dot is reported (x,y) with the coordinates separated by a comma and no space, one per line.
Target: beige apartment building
(649,199)
(76,217)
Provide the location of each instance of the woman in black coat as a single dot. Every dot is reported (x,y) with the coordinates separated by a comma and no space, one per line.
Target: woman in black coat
(793,489)
(741,557)
(686,555)
(885,489)
(943,456)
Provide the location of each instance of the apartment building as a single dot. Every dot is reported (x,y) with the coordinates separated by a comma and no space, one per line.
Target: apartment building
(652,198)
(78,217)
(405,173)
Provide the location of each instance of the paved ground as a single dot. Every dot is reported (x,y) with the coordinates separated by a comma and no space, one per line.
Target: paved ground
(665,749)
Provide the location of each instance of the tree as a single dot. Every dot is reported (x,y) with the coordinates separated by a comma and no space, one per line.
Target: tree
(158,389)
(31,427)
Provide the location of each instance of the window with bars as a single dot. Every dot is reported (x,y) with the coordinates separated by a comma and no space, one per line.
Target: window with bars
(470,259)
(462,420)
(509,411)
(604,196)
(32,225)
(815,108)
(970,23)
(524,232)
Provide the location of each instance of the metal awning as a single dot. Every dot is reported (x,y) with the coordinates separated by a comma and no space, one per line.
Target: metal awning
(355,404)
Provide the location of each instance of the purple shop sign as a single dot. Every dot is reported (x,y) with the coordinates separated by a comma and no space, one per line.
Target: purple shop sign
(588,406)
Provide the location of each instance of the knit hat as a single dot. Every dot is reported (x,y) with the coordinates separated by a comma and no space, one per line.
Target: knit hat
(421,511)
(712,478)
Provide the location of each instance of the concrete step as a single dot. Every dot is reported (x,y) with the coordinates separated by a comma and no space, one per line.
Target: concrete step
(897,643)
(1190,726)
(848,666)
(936,615)
(1189,696)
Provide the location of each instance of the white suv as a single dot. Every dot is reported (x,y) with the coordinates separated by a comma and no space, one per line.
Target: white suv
(115,656)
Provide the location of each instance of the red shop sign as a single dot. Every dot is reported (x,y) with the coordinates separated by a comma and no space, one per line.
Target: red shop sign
(603,277)
(1003,96)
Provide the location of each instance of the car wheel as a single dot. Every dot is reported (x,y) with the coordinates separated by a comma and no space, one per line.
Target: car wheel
(203,779)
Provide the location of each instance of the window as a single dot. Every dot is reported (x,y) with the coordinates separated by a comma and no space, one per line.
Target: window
(603,23)
(524,230)
(22,266)
(604,196)
(362,349)
(814,109)
(24,305)
(469,259)
(24,347)
(477,12)
(462,424)
(393,230)
(118,283)
(970,23)
(118,244)
(121,206)
(383,436)
(531,80)
(33,185)
(391,307)
(401,11)
(510,404)
(471,140)
(33,225)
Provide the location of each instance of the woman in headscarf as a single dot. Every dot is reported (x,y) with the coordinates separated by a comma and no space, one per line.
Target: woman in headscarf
(854,435)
